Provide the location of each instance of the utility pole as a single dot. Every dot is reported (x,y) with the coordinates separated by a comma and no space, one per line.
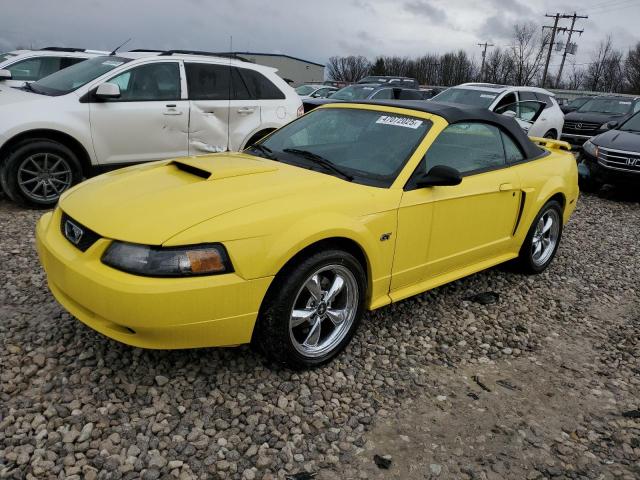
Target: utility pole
(485,45)
(566,47)
(551,42)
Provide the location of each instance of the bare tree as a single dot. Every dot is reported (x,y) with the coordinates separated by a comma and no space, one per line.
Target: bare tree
(498,67)
(348,69)
(605,71)
(527,53)
(632,69)
(575,79)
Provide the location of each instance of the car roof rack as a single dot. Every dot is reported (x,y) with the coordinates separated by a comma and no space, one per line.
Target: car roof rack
(199,52)
(150,50)
(63,49)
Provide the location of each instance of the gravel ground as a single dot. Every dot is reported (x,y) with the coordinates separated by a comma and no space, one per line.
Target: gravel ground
(543,382)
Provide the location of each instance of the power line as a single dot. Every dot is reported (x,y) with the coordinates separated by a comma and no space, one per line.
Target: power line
(556,17)
(567,45)
(485,45)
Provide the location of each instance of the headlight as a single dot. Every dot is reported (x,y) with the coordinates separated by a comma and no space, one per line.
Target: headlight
(206,259)
(590,148)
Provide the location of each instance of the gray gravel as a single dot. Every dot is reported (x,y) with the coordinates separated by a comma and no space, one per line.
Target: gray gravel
(74,404)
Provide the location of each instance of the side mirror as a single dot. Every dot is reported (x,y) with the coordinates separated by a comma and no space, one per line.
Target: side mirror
(510,113)
(611,124)
(5,75)
(440,176)
(108,91)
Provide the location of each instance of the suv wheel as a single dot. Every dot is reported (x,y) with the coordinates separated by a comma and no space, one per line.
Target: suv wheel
(542,240)
(313,310)
(39,171)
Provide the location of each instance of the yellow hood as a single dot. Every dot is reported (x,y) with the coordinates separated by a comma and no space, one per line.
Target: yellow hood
(152,202)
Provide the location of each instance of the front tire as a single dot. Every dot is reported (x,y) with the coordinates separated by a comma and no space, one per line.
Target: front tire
(312,310)
(542,240)
(37,172)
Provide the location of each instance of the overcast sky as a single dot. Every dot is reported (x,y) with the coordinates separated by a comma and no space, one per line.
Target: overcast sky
(312,30)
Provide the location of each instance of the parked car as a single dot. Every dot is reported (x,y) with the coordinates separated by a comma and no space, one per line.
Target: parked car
(133,107)
(598,115)
(346,209)
(493,97)
(573,105)
(612,157)
(372,91)
(315,91)
(391,80)
(20,66)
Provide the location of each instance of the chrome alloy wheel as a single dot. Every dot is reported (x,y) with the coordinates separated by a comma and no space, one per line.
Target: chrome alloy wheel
(323,311)
(545,237)
(44,176)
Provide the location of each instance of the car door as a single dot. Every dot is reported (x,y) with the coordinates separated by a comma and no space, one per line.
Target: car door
(449,228)
(542,124)
(149,119)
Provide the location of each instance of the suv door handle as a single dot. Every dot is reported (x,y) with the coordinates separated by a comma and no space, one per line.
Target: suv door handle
(506,187)
(171,110)
(246,110)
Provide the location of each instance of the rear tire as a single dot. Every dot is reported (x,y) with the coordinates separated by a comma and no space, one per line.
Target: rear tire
(37,172)
(542,240)
(312,310)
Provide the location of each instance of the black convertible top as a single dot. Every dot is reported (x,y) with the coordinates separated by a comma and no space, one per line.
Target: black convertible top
(454,113)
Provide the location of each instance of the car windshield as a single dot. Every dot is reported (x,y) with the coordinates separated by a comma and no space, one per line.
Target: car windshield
(369,146)
(606,105)
(578,102)
(74,77)
(466,96)
(305,89)
(353,92)
(632,125)
(5,56)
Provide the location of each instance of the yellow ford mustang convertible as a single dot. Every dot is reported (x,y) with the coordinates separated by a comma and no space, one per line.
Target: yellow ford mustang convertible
(347,209)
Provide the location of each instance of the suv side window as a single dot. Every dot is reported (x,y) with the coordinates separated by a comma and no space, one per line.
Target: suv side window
(467,147)
(260,86)
(208,81)
(151,82)
(32,69)
(406,94)
(526,96)
(508,99)
(542,97)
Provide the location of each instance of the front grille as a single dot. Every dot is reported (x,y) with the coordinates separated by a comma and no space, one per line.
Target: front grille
(619,159)
(78,235)
(580,128)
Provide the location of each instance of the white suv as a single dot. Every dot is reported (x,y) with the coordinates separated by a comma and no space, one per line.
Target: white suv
(495,97)
(133,107)
(22,66)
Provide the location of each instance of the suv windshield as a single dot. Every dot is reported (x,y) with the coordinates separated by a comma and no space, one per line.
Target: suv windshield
(632,125)
(369,147)
(353,92)
(74,77)
(465,96)
(305,89)
(607,105)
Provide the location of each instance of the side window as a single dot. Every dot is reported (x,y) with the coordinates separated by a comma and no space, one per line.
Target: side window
(384,94)
(526,95)
(511,150)
(260,86)
(32,69)
(467,147)
(152,82)
(636,107)
(207,81)
(406,94)
(240,90)
(509,98)
(546,99)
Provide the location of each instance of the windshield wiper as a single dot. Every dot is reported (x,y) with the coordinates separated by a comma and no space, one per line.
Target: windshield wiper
(266,151)
(320,160)
(29,88)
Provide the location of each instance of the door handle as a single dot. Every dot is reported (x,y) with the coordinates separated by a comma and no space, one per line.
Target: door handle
(245,110)
(506,187)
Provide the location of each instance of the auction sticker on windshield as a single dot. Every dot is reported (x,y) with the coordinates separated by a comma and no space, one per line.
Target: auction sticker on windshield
(399,121)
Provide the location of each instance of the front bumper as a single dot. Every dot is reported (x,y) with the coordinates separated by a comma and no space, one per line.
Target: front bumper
(159,313)
(603,174)
(575,139)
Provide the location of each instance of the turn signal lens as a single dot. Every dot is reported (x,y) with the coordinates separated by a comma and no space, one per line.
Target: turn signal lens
(205,261)
(300,110)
